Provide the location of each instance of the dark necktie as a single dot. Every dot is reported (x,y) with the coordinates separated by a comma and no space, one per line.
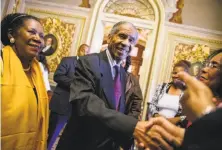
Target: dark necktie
(117,86)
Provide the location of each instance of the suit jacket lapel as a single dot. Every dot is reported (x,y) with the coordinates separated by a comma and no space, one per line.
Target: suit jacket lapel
(128,83)
(106,79)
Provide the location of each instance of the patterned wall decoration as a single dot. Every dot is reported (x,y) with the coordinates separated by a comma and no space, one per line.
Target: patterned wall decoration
(132,8)
(85,3)
(177,16)
(191,52)
(196,54)
(16,6)
(63,33)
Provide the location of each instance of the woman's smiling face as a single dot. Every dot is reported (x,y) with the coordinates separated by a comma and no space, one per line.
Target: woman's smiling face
(29,39)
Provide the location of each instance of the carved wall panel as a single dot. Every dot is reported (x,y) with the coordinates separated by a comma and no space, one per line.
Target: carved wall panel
(192,47)
(64,33)
(134,8)
(177,16)
(191,52)
(196,54)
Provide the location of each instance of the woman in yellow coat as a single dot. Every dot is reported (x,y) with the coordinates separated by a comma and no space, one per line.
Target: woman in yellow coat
(24,101)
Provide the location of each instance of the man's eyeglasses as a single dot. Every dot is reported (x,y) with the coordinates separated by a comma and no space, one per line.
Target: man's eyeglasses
(212,65)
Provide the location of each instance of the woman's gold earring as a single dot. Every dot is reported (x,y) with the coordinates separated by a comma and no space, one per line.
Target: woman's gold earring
(12,40)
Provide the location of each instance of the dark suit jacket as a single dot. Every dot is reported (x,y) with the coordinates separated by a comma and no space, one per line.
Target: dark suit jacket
(49,51)
(63,76)
(205,133)
(134,96)
(94,123)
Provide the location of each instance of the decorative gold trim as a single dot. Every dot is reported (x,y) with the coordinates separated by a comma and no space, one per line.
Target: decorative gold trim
(63,37)
(190,52)
(136,9)
(196,38)
(177,16)
(176,38)
(85,3)
(15,6)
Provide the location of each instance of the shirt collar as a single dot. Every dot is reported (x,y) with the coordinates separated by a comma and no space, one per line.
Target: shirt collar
(112,62)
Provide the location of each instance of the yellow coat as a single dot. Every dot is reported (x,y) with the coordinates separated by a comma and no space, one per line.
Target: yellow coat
(24,118)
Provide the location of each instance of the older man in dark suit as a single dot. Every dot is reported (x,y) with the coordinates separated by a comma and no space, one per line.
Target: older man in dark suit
(98,120)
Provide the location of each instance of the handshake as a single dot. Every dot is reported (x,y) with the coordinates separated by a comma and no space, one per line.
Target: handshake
(157,134)
(160,134)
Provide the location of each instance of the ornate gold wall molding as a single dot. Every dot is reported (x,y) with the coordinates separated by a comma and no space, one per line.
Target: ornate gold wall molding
(15,6)
(208,40)
(177,16)
(64,34)
(85,3)
(191,52)
(135,8)
(182,46)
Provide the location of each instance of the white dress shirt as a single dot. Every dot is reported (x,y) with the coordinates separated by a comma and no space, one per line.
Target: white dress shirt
(45,75)
(112,63)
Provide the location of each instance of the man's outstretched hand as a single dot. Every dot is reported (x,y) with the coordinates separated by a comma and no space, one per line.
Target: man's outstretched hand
(197,98)
(145,139)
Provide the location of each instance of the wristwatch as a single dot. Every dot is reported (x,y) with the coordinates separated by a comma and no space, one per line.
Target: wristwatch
(182,118)
(208,110)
